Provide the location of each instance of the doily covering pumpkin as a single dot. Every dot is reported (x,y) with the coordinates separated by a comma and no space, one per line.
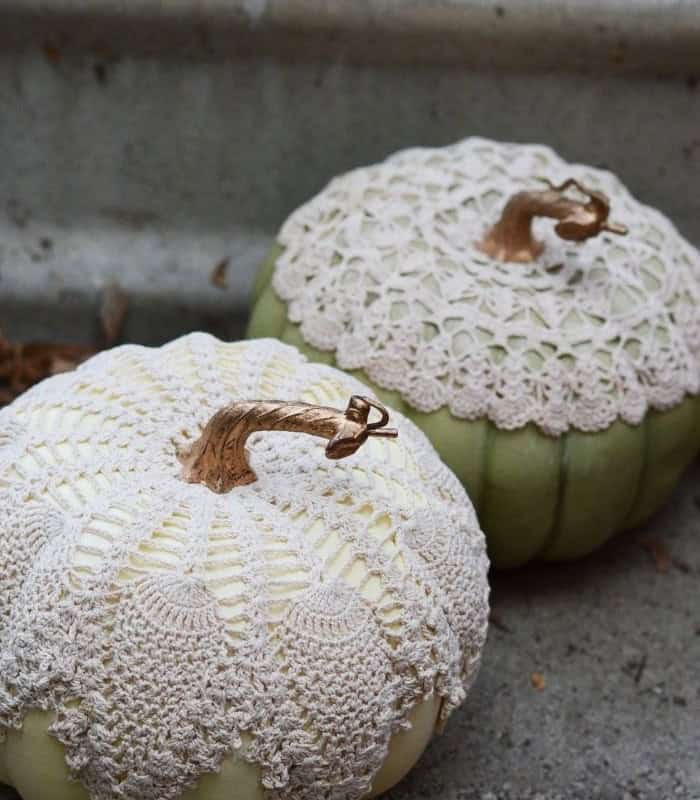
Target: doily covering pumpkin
(538,383)
(277,641)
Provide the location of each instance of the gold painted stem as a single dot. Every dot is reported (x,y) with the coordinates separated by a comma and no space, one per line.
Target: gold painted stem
(511,239)
(219,459)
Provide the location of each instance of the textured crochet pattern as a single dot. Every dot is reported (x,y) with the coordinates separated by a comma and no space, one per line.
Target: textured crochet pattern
(382,268)
(295,621)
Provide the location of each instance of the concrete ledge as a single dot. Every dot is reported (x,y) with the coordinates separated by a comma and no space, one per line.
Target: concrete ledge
(620,36)
(148,140)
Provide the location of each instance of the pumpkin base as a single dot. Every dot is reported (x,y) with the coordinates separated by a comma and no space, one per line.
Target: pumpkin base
(537,497)
(32,760)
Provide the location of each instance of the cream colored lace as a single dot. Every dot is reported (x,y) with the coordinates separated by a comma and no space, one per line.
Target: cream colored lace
(381,267)
(295,621)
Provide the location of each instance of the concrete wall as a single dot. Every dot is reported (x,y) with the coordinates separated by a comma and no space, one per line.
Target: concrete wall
(145,142)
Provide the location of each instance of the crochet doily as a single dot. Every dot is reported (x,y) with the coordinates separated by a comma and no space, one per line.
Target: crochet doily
(295,621)
(381,267)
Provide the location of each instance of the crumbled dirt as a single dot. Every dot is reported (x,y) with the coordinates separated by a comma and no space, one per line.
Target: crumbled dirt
(537,681)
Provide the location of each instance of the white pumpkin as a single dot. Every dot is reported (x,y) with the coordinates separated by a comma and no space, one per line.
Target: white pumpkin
(297,637)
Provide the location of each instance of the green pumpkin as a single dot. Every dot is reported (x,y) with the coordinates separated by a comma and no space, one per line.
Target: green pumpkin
(590,413)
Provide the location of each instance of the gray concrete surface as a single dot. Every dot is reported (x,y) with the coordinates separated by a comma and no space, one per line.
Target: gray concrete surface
(618,645)
(625,35)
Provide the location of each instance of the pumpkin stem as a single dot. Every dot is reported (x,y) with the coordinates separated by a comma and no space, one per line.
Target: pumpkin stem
(511,239)
(219,459)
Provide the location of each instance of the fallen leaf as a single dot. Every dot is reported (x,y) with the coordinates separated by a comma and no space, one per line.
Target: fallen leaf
(658,552)
(49,358)
(218,274)
(22,364)
(61,364)
(537,681)
(113,307)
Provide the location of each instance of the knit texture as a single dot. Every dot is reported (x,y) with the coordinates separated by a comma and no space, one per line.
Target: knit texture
(382,269)
(295,621)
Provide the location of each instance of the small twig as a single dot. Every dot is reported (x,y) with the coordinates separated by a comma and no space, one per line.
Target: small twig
(498,623)
(682,566)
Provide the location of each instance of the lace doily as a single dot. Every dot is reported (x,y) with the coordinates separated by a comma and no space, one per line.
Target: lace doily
(382,268)
(295,621)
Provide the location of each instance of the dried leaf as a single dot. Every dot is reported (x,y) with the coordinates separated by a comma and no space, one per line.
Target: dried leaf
(537,681)
(218,274)
(61,364)
(113,308)
(24,364)
(659,553)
